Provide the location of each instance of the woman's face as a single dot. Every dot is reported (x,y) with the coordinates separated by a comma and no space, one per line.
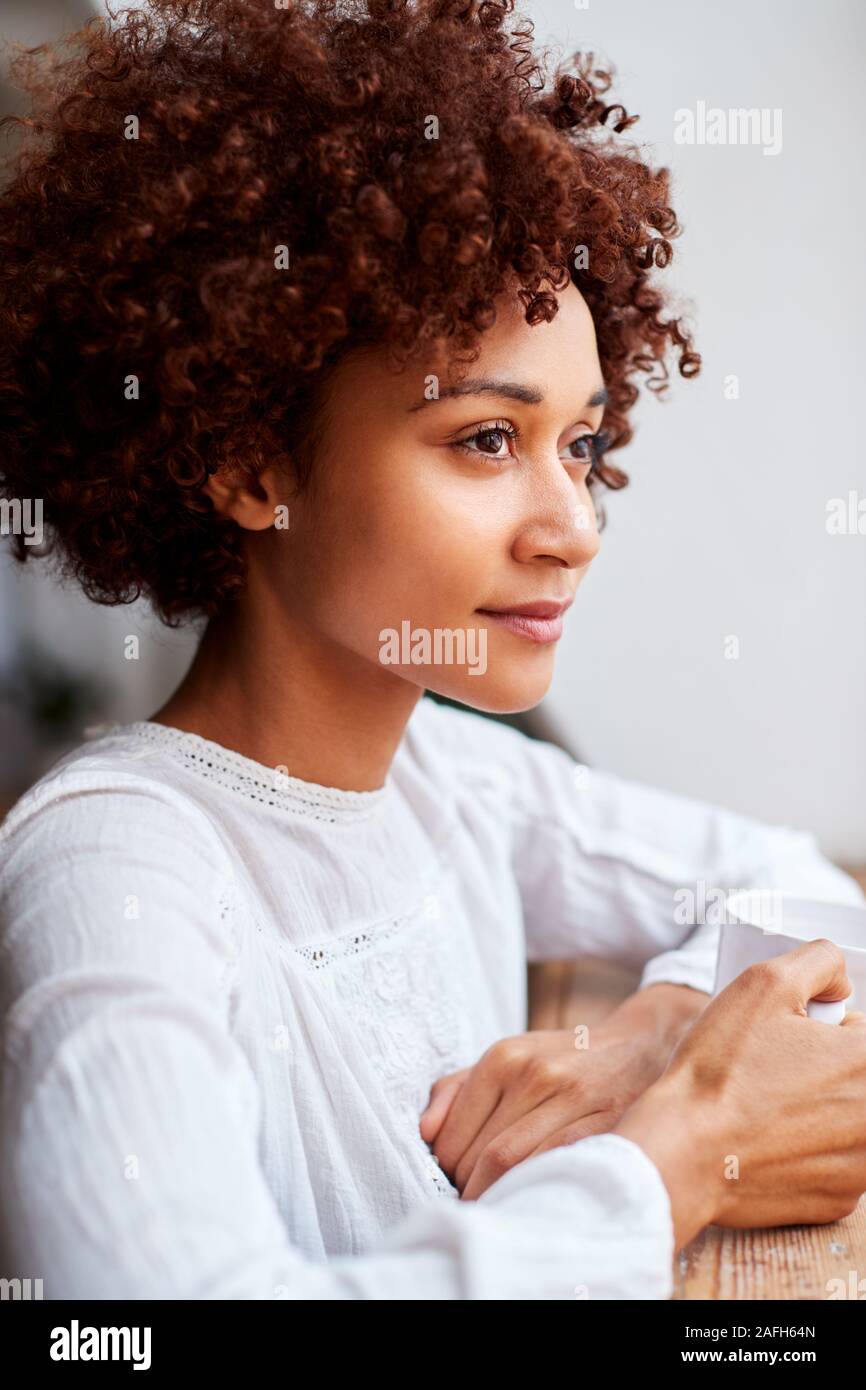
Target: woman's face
(430,516)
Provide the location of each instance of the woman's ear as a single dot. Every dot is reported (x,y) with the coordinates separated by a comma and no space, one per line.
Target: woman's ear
(254,500)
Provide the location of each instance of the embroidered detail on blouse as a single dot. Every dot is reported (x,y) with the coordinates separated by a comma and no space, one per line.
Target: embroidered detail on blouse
(322,955)
(256,781)
(410,1007)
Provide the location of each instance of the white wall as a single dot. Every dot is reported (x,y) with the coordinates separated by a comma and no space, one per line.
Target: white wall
(722,529)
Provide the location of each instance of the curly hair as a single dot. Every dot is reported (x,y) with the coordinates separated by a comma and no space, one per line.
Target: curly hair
(215,200)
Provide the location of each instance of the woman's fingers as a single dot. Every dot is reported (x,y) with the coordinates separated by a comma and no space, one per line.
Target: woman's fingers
(599,1123)
(442,1095)
(549,1126)
(528,1080)
(516,1103)
(468,1111)
(514,1077)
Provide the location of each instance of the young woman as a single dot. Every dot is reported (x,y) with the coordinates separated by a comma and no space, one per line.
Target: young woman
(319,321)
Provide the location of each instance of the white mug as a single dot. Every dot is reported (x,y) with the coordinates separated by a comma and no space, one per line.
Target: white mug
(761,923)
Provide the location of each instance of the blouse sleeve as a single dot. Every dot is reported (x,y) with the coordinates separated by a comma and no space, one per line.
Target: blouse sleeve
(619,869)
(128,1129)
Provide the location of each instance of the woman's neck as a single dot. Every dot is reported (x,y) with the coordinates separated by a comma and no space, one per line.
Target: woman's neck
(293,700)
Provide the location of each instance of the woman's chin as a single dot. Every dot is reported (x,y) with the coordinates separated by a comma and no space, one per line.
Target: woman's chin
(498,690)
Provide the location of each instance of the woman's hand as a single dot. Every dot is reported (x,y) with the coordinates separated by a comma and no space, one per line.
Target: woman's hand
(542,1089)
(758,1117)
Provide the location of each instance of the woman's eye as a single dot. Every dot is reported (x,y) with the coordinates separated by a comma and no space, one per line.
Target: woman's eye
(590,447)
(490,440)
(584,445)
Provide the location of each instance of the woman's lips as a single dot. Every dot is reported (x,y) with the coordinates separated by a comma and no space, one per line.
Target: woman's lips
(540,622)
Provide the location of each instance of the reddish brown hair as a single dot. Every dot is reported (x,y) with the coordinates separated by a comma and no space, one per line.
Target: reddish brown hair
(305,126)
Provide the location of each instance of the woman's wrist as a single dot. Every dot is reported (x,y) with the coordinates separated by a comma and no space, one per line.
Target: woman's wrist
(680,1137)
(661,1013)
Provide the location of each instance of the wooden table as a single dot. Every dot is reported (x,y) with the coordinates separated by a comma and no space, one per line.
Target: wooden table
(793,1262)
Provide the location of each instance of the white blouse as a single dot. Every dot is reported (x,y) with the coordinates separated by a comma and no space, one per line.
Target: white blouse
(225,994)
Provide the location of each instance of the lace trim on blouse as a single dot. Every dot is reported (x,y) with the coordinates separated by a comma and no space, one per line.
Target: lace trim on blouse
(256,781)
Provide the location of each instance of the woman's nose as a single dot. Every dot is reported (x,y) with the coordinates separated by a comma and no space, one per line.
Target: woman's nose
(560,525)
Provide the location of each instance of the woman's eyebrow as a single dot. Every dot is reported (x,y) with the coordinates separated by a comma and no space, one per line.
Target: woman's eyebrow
(484,386)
